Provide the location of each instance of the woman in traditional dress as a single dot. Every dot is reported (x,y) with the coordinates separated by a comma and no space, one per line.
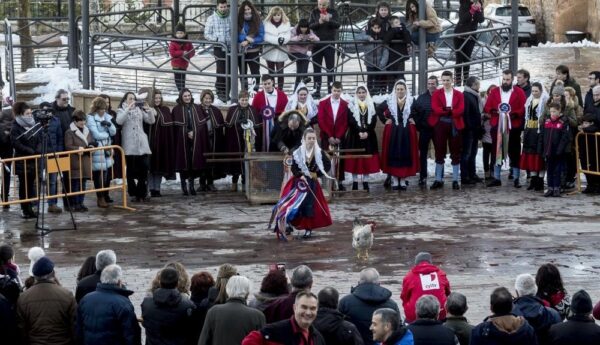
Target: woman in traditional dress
(216,138)
(160,136)
(242,130)
(303,204)
(303,102)
(531,160)
(362,136)
(191,140)
(400,156)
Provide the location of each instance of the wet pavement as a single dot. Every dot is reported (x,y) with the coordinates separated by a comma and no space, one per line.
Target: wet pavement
(483,238)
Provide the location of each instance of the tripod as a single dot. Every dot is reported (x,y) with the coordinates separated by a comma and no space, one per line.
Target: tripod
(40,223)
(346,21)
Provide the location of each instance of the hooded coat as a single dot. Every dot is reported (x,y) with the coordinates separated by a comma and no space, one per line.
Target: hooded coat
(424,279)
(335,330)
(504,330)
(360,304)
(168,318)
(537,315)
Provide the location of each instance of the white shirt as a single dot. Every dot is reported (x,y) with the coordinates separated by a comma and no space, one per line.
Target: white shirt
(335,106)
(271,99)
(505,96)
(449,95)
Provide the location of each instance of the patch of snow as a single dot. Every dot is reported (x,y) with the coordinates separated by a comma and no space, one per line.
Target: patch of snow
(581,44)
(57,78)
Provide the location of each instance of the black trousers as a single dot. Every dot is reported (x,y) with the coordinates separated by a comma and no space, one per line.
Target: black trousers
(221,83)
(251,62)
(26,188)
(398,66)
(425,138)
(464,46)
(328,53)
(179,79)
(302,62)
(514,147)
(487,156)
(5,185)
(469,153)
(101,180)
(137,175)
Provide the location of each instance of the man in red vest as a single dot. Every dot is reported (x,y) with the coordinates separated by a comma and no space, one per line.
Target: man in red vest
(446,119)
(269,104)
(506,105)
(332,117)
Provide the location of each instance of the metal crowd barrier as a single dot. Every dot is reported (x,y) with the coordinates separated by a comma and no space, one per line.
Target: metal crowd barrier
(62,162)
(587,153)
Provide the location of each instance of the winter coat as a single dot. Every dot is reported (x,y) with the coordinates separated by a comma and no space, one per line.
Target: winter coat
(229,323)
(24,146)
(167,316)
(259,37)
(413,287)
(101,160)
(432,332)
(65,115)
(376,53)
(468,19)
(589,102)
(262,300)
(431,23)
(558,300)
(134,140)
(46,314)
(472,114)
(56,141)
(360,304)
(398,50)
(438,108)
(181,53)
(6,122)
(87,285)
(517,106)
(281,308)
(572,83)
(402,336)
(554,138)
(461,328)
(284,332)
(80,164)
(537,315)
(504,330)
(334,329)
(8,322)
(272,35)
(577,330)
(297,37)
(328,30)
(106,316)
(420,111)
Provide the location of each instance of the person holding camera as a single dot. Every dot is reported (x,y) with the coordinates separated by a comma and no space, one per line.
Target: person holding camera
(78,137)
(132,115)
(100,125)
(277,33)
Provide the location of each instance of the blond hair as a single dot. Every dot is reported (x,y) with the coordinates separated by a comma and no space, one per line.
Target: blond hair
(277,10)
(98,103)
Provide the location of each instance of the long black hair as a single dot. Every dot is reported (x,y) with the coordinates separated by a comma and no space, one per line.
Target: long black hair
(302,23)
(180,98)
(124,99)
(254,22)
(548,280)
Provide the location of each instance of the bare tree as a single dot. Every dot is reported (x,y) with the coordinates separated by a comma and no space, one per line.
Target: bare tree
(24,32)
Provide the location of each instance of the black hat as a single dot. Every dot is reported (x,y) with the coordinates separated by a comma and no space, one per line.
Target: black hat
(581,303)
(169,278)
(43,267)
(180,27)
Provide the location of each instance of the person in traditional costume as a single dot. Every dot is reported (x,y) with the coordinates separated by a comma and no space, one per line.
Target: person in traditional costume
(216,138)
(303,102)
(287,137)
(243,127)
(268,104)
(531,160)
(191,140)
(361,135)
(160,136)
(303,204)
(400,147)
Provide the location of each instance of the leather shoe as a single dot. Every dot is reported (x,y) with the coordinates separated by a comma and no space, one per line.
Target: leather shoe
(354,185)
(455,185)
(517,183)
(467,181)
(494,183)
(437,185)
(476,179)
(341,187)
(388,182)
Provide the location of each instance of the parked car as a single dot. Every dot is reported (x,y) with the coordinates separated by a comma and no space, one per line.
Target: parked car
(501,15)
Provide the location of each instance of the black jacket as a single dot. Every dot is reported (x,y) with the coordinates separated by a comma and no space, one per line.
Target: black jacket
(589,102)
(399,49)
(432,332)
(168,318)
(64,115)
(504,330)
(421,109)
(537,315)
(8,322)
(577,330)
(360,304)
(285,332)
(24,145)
(466,21)
(87,285)
(461,328)
(328,30)
(526,89)
(6,122)
(334,329)
(472,113)
(553,141)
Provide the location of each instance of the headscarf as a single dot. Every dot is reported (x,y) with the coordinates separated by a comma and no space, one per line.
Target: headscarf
(540,109)
(392,103)
(355,108)
(311,106)
(300,158)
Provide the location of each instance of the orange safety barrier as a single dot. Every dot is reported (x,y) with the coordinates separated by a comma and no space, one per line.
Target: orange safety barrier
(589,143)
(62,162)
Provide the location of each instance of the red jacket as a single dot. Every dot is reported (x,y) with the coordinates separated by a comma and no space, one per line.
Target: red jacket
(424,279)
(260,101)
(285,332)
(438,103)
(327,127)
(517,106)
(177,50)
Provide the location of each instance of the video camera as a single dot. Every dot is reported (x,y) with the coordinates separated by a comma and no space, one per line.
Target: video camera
(43,116)
(343,8)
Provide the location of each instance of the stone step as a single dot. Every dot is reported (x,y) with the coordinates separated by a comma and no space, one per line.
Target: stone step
(27,96)
(28,85)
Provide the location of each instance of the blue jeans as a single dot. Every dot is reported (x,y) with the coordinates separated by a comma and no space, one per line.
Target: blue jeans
(76,186)
(414,36)
(555,166)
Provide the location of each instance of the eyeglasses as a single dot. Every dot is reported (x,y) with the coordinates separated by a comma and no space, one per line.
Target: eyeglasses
(64,99)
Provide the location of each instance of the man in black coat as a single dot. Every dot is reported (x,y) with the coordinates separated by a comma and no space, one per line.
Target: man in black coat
(588,145)
(470,14)
(594,79)
(8,322)
(427,330)
(324,22)
(421,109)
(523,81)
(167,314)
(88,284)
(471,132)
(330,322)
(363,300)
(580,328)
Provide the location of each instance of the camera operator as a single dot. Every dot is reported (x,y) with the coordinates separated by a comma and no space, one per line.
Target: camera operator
(25,145)
(55,144)
(64,112)
(102,129)
(6,150)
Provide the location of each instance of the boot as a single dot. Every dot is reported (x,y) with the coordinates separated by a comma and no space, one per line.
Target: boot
(556,193)
(354,185)
(532,182)
(387,184)
(366,186)
(101,202)
(191,187)
(549,192)
(539,186)
(184,188)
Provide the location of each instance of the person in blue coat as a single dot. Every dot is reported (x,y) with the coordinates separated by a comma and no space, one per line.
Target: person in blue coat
(387,329)
(251,34)
(106,316)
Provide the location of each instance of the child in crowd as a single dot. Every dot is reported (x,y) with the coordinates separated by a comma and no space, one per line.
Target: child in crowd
(398,51)
(554,137)
(181,53)
(301,52)
(375,57)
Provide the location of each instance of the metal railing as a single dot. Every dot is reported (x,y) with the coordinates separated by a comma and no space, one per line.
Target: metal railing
(587,153)
(9,59)
(151,21)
